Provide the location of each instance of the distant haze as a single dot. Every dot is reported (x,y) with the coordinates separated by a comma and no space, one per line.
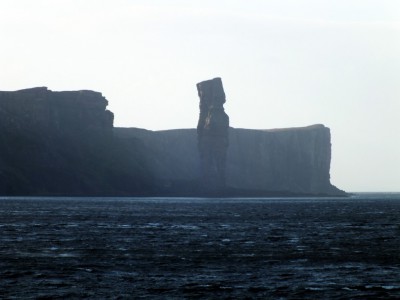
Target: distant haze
(283,63)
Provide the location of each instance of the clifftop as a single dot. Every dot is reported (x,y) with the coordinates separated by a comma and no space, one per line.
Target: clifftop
(38,108)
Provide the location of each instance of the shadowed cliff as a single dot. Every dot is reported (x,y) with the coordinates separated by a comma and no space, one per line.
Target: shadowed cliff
(290,159)
(61,143)
(293,161)
(64,143)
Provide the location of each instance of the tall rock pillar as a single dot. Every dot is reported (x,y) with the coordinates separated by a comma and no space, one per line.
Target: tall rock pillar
(212,133)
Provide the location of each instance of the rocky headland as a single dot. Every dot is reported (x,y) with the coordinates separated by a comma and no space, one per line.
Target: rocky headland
(64,143)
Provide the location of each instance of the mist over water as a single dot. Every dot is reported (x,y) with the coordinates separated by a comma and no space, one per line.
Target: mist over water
(288,248)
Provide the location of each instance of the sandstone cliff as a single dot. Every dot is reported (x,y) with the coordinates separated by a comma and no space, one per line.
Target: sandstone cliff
(42,109)
(61,143)
(263,162)
(291,159)
(64,143)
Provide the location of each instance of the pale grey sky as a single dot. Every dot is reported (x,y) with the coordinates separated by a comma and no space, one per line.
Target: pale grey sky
(283,63)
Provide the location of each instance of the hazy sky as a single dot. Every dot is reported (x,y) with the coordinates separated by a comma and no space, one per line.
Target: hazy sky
(283,63)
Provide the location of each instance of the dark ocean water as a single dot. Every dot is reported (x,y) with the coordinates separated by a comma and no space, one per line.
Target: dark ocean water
(171,248)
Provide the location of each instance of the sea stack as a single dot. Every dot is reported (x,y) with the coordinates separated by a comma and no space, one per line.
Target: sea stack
(212,133)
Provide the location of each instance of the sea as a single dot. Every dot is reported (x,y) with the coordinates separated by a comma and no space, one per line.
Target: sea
(200,248)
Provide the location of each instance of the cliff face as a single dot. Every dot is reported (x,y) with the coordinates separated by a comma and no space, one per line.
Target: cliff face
(232,161)
(42,109)
(292,159)
(61,143)
(288,161)
(64,143)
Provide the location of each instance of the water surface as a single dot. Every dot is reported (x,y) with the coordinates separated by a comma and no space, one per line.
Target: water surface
(160,248)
